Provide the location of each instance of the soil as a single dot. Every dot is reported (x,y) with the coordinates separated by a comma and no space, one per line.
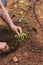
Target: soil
(30,51)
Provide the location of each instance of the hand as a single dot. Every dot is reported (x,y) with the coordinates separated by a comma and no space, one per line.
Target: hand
(17,29)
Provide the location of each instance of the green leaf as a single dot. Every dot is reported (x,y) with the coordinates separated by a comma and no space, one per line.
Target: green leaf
(20,13)
(19,2)
(22,20)
(23,36)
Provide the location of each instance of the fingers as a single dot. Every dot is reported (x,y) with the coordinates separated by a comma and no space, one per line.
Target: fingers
(18,31)
(3,47)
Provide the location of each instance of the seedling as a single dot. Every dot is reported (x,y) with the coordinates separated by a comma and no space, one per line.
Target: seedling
(18,2)
(21,39)
(23,2)
(22,20)
(26,21)
(20,13)
(23,36)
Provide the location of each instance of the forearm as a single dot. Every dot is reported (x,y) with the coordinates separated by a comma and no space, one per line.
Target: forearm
(5,16)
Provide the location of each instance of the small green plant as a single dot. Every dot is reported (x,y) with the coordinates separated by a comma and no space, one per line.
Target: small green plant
(18,2)
(20,12)
(26,21)
(22,38)
(23,2)
(22,20)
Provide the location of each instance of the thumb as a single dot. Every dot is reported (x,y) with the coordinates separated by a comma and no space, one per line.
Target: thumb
(18,33)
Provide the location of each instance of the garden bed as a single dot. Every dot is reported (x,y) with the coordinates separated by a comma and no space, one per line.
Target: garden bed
(30,47)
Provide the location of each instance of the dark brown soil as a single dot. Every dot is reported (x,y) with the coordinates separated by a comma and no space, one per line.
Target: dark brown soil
(33,45)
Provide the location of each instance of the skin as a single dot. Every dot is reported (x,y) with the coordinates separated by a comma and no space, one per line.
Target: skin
(5,16)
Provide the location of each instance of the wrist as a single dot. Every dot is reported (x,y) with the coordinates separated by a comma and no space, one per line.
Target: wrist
(12,26)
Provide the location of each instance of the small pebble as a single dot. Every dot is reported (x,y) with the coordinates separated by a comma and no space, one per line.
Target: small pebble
(15,59)
(26,55)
